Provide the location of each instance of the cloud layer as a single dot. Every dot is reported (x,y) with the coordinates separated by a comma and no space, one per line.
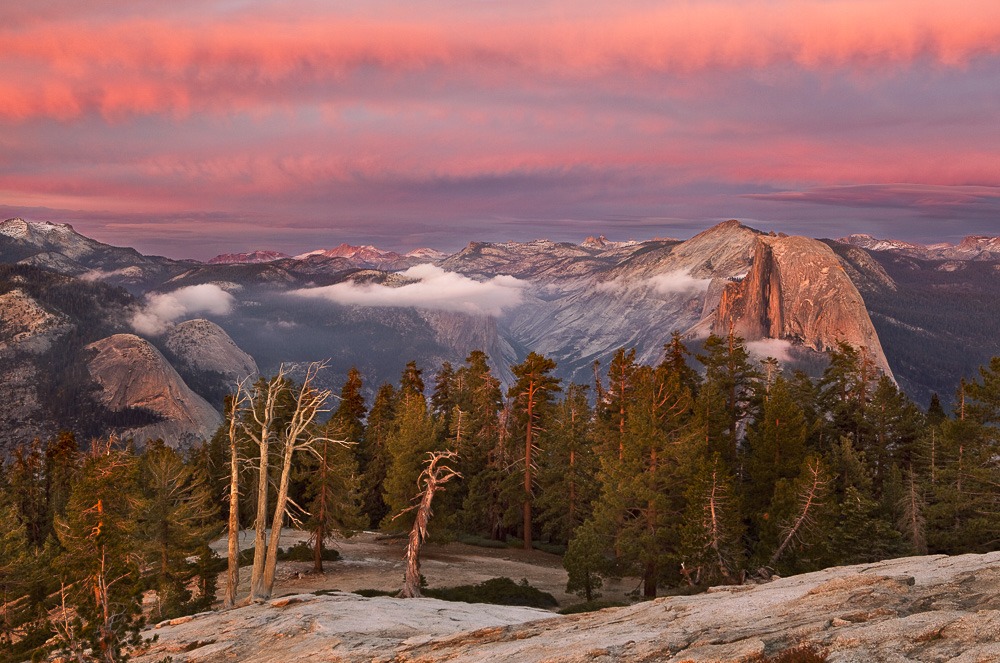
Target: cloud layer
(436,289)
(164,309)
(678,282)
(179,125)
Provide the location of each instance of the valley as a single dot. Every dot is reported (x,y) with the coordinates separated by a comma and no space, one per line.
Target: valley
(923,316)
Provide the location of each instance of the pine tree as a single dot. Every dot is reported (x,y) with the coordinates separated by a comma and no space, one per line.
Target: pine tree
(414,434)
(374,456)
(731,377)
(567,468)
(711,549)
(177,523)
(641,494)
(14,568)
(331,479)
(585,561)
(100,567)
(531,397)
(776,447)
(475,434)
(62,459)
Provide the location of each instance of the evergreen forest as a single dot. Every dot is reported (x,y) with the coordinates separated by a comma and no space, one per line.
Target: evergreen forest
(699,470)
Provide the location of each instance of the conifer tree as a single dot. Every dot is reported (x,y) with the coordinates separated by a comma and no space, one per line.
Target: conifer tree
(474,433)
(641,494)
(331,474)
(27,480)
(711,528)
(414,434)
(374,456)
(177,523)
(531,397)
(14,563)
(776,447)
(732,378)
(62,460)
(585,561)
(613,407)
(100,566)
(567,468)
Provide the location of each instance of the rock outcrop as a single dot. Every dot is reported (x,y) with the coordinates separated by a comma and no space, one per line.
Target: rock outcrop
(133,374)
(936,608)
(204,346)
(798,291)
(27,330)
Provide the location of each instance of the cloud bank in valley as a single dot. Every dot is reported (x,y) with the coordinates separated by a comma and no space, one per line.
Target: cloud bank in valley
(164,309)
(778,348)
(678,282)
(436,289)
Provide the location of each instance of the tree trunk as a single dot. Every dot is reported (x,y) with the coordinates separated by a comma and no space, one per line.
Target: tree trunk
(809,500)
(649,580)
(260,525)
(434,478)
(320,532)
(233,568)
(528,441)
(271,563)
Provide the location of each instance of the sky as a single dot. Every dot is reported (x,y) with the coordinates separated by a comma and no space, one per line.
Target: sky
(190,129)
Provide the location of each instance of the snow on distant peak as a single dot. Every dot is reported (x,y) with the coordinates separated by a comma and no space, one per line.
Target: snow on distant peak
(253,257)
(869,243)
(16,228)
(427,254)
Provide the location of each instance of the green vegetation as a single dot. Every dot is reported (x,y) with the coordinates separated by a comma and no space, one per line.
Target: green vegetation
(681,478)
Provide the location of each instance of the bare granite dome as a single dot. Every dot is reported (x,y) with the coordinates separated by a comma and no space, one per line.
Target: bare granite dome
(935,608)
(797,290)
(133,373)
(204,345)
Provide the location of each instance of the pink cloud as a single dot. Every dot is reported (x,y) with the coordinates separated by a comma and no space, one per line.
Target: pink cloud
(200,61)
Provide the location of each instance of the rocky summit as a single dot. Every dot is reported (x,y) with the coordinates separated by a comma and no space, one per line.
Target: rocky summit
(934,608)
(134,374)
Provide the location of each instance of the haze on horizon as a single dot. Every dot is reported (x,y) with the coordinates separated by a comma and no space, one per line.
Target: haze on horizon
(196,128)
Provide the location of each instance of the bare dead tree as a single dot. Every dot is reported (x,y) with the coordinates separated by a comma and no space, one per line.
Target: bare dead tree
(297,436)
(810,499)
(911,519)
(433,478)
(240,398)
(263,408)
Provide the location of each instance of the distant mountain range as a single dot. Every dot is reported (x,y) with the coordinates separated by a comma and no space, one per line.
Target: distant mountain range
(76,315)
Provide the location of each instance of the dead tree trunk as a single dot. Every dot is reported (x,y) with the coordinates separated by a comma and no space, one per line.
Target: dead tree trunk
(308,405)
(233,555)
(809,500)
(264,418)
(433,478)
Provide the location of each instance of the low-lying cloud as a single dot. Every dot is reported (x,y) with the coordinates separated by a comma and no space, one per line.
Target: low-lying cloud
(678,282)
(771,347)
(164,309)
(436,289)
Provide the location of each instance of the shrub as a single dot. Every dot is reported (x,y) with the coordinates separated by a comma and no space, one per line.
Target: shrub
(498,591)
(589,606)
(303,552)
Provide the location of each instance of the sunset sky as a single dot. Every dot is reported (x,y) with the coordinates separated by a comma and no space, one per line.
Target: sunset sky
(193,128)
